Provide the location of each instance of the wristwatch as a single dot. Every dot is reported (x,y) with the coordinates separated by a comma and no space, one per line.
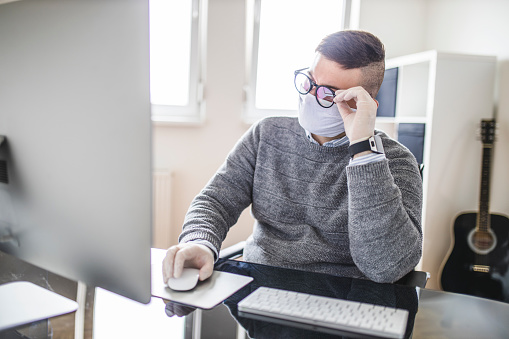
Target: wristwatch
(373,144)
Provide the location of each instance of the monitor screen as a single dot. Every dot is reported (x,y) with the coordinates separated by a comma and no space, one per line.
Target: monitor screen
(75,196)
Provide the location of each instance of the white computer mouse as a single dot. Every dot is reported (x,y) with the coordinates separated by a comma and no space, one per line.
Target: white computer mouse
(187,281)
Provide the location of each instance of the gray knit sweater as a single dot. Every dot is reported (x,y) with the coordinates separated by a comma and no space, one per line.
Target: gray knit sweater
(313,211)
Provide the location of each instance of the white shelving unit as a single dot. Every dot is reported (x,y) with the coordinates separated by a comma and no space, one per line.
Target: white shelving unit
(450,94)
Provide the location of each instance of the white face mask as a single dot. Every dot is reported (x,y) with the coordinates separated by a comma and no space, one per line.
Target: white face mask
(325,122)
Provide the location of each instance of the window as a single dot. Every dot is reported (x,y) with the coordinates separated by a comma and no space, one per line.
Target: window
(282,37)
(176,49)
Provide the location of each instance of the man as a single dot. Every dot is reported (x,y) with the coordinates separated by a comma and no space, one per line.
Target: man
(323,200)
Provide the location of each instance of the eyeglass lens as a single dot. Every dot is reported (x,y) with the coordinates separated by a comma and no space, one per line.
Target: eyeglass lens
(302,83)
(324,95)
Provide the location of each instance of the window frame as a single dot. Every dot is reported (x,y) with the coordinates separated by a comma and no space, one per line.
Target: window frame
(194,111)
(250,113)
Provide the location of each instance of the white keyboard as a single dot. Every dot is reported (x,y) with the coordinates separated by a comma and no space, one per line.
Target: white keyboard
(344,315)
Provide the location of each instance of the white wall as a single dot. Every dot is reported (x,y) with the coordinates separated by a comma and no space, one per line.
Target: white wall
(400,24)
(405,27)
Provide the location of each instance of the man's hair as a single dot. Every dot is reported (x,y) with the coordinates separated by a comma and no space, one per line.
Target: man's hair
(357,49)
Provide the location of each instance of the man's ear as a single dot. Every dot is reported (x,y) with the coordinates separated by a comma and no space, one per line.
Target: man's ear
(377,104)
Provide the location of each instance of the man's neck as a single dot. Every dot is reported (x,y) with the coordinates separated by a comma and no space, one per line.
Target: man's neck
(322,140)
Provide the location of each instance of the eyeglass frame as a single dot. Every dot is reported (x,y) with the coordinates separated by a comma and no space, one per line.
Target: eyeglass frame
(313,84)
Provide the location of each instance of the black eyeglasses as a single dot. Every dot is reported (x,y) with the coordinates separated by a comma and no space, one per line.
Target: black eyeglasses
(304,84)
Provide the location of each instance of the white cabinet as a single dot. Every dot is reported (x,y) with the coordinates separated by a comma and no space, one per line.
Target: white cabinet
(450,94)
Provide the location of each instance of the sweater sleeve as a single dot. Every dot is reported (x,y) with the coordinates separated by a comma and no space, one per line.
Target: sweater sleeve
(218,206)
(385,206)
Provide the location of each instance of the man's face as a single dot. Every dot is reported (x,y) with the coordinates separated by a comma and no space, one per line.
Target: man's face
(331,74)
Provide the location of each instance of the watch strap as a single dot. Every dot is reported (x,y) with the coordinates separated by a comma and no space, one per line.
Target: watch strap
(373,144)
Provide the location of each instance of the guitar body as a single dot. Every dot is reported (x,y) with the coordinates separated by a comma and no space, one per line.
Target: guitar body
(459,274)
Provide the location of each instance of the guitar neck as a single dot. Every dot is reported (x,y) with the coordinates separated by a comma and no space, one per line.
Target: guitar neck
(483,222)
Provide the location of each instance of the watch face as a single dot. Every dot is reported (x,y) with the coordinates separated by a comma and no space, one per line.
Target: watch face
(376,144)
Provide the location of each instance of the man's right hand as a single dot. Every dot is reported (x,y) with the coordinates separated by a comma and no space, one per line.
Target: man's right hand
(188,255)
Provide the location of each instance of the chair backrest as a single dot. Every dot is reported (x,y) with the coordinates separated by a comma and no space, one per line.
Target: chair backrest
(415,279)
(233,251)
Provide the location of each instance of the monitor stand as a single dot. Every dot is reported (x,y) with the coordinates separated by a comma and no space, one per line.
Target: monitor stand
(23,302)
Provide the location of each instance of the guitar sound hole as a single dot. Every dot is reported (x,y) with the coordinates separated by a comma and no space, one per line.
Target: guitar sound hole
(482,242)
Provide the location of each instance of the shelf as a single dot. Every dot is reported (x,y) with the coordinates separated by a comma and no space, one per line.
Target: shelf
(434,88)
(398,120)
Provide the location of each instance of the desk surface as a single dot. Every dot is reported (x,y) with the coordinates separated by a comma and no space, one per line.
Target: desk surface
(432,313)
(435,313)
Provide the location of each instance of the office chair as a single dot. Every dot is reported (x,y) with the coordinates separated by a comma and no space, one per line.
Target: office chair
(413,278)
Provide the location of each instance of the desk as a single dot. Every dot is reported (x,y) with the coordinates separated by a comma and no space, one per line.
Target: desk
(434,314)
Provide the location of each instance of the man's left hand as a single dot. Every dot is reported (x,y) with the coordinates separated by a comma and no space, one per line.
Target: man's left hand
(359,123)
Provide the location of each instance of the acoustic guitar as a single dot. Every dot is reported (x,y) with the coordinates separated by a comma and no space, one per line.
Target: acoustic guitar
(479,257)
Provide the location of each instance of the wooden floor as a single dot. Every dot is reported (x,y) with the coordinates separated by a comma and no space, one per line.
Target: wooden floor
(63,326)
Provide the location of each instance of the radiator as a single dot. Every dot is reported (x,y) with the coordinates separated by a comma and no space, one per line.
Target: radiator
(161,233)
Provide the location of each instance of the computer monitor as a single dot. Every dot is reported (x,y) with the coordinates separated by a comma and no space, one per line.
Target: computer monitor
(75,193)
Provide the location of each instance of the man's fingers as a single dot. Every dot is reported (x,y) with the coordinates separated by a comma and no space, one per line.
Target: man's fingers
(352,94)
(341,95)
(344,109)
(184,254)
(356,93)
(192,255)
(206,270)
(168,263)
